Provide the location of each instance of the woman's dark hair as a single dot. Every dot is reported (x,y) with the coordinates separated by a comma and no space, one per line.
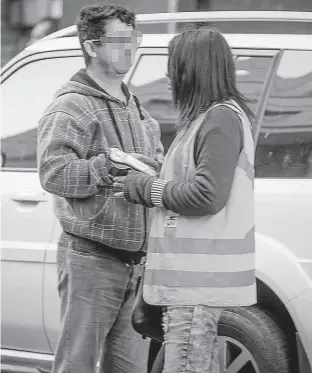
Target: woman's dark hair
(201,69)
(92,19)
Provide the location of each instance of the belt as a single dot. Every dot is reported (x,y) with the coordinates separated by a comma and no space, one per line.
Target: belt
(128,257)
(87,246)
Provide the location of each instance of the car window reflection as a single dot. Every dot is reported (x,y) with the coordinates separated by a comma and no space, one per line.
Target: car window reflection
(285,142)
(150,84)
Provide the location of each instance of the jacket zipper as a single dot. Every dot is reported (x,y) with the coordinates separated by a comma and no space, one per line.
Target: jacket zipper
(144,209)
(132,136)
(144,223)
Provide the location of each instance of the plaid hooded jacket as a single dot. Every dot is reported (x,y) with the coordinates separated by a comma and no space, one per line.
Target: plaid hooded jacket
(74,136)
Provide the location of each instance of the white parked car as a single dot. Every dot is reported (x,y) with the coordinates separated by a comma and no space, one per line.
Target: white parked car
(274,72)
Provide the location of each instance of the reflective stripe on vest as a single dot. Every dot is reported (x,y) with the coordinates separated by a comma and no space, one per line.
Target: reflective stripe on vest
(204,260)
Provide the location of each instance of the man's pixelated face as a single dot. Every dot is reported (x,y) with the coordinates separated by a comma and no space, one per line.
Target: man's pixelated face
(119,46)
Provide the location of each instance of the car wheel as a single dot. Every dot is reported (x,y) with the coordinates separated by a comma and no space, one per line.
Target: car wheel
(252,342)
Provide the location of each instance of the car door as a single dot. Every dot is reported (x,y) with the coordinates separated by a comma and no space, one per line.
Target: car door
(284,158)
(27,217)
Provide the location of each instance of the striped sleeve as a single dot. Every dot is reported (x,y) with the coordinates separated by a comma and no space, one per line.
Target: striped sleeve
(157,192)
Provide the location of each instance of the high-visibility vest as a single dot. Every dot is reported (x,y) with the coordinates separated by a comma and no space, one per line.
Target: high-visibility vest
(206,260)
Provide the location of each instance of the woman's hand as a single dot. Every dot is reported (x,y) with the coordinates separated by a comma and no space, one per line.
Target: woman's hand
(118,186)
(135,187)
(119,181)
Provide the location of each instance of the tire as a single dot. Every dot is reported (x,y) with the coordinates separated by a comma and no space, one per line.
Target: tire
(252,330)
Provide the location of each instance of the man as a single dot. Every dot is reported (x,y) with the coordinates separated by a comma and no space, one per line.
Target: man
(104,237)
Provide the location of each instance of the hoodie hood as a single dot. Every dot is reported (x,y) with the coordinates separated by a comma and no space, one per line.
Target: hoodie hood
(83,84)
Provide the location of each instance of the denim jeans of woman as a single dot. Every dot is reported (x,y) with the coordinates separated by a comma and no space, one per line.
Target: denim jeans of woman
(191,343)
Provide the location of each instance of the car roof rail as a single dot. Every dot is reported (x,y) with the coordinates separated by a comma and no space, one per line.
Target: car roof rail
(215,16)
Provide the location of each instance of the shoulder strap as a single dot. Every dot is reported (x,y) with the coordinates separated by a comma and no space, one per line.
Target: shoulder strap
(110,110)
(138,106)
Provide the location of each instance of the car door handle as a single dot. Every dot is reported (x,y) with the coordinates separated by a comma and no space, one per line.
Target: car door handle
(30,197)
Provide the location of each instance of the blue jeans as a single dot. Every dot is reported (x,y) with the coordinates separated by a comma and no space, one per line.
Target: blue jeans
(97,294)
(191,344)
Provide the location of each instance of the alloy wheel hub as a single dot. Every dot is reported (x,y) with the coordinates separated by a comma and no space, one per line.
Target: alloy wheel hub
(235,357)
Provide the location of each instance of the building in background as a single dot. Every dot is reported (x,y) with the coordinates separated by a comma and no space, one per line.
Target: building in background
(24,21)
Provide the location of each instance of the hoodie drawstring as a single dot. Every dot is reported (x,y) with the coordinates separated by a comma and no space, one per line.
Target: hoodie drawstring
(138,106)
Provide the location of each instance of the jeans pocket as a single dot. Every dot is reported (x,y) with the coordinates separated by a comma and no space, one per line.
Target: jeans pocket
(80,247)
(62,279)
(75,251)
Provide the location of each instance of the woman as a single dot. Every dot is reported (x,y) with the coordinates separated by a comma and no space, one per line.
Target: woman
(201,248)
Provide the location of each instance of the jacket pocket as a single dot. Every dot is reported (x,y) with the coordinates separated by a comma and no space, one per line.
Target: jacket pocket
(91,207)
(120,220)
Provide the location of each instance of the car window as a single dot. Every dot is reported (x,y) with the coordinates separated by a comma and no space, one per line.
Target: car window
(285,143)
(25,96)
(149,84)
